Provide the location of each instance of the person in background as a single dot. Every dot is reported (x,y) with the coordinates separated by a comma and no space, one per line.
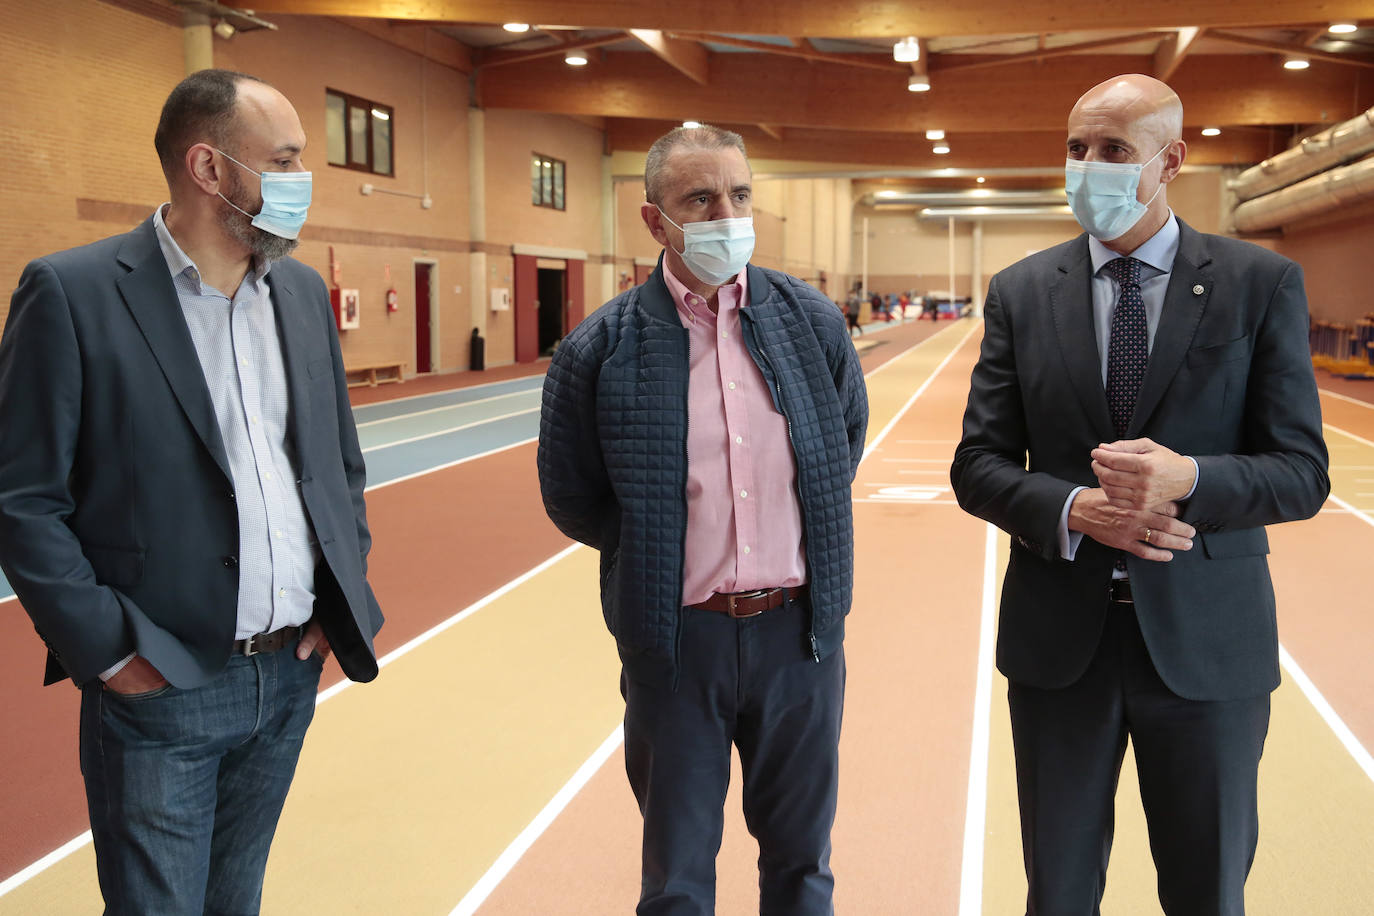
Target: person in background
(1143,406)
(702,432)
(181,502)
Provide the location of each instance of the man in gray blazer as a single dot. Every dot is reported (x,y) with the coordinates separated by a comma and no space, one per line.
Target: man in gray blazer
(181,502)
(1143,406)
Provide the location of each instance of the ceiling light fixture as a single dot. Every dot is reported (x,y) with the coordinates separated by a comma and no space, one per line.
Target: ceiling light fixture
(575,59)
(1211,131)
(1296,63)
(940,149)
(691,124)
(935,135)
(1342,28)
(516,26)
(907,51)
(225,29)
(981,179)
(918,82)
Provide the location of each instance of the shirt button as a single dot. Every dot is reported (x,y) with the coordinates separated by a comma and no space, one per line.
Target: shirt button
(266,475)
(253,420)
(732,386)
(243,361)
(281,593)
(725,334)
(739,440)
(231,562)
(746,548)
(743,494)
(278,533)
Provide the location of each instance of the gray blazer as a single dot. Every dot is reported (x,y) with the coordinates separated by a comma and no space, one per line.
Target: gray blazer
(118,528)
(1229,382)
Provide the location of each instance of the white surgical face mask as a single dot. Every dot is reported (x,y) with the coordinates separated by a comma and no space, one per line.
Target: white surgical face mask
(1102,195)
(716,250)
(285,200)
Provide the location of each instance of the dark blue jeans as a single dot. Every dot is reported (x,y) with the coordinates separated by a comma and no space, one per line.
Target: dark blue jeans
(184,787)
(752,683)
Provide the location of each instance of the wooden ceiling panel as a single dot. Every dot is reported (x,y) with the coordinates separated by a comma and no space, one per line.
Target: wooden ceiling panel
(826,18)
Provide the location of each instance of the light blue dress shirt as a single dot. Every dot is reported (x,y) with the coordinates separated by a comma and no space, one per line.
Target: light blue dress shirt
(1157,263)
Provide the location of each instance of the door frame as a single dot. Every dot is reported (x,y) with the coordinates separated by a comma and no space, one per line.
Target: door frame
(433,314)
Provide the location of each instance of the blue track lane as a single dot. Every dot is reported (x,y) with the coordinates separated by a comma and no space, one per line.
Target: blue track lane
(412,435)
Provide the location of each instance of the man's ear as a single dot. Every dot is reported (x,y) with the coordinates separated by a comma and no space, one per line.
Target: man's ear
(202,169)
(1173,160)
(653,219)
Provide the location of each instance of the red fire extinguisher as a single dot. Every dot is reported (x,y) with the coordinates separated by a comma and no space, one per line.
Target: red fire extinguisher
(393,299)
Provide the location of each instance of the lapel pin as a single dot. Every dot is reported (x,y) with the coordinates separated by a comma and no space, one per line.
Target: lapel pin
(1198,290)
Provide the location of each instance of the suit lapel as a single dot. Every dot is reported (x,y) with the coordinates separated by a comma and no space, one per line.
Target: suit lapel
(152,299)
(1185,298)
(1071,306)
(294,333)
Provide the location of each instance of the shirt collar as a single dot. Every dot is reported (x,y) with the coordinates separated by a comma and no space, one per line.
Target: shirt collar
(1158,251)
(179,262)
(691,306)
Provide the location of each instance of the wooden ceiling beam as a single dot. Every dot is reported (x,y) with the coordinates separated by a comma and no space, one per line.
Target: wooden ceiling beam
(1174,49)
(788,92)
(870,61)
(497,58)
(948,63)
(689,58)
(1297,50)
(826,18)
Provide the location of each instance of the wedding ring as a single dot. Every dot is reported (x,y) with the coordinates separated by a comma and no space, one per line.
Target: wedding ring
(1148,533)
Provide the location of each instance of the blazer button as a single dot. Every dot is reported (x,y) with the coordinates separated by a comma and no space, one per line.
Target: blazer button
(231,494)
(231,562)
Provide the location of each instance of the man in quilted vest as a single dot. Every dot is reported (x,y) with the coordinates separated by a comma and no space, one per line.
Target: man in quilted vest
(702,431)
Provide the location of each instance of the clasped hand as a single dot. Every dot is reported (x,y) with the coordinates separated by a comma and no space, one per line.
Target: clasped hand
(1135,509)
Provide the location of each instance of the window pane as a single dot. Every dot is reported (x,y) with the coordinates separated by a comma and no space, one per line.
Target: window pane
(535,173)
(558,185)
(546,192)
(334,129)
(357,129)
(381,142)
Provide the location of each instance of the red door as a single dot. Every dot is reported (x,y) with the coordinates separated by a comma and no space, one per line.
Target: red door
(573,296)
(526,308)
(422,344)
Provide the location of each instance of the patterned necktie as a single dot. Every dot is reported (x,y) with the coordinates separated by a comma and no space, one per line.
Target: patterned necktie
(1129,347)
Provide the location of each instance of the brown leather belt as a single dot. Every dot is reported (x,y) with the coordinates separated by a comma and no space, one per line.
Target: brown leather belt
(747,604)
(1121,591)
(268,642)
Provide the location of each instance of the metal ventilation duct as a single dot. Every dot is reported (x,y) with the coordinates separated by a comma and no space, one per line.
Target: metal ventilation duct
(1341,143)
(1319,194)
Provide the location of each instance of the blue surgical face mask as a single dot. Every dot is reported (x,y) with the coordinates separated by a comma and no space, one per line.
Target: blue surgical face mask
(1102,195)
(285,200)
(717,249)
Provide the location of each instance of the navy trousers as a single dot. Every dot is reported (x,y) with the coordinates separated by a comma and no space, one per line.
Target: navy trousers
(184,787)
(1198,764)
(752,683)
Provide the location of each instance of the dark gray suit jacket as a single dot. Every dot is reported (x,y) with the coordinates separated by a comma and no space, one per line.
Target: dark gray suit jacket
(1229,382)
(118,528)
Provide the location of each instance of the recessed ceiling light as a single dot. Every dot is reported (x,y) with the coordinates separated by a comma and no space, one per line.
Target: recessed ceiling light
(1296,63)
(918,82)
(691,124)
(935,135)
(940,149)
(575,58)
(1342,28)
(981,179)
(1211,131)
(907,51)
(516,26)
(887,193)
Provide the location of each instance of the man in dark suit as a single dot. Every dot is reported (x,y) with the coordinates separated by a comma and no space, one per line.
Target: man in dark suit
(181,502)
(1143,406)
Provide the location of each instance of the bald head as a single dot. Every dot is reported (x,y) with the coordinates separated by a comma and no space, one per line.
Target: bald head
(1143,104)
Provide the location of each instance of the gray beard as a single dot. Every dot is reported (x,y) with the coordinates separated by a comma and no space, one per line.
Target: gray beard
(240,228)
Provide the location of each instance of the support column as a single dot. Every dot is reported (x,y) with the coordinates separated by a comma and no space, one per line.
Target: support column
(197,42)
(477,219)
(976,293)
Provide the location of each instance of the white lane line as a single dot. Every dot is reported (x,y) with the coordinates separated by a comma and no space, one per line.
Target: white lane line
(1342,397)
(451,429)
(1358,513)
(458,406)
(944,461)
(1329,715)
(1350,435)
(522,843)
(919,391)
(450,464)
(444,391)
(976,811)
(67,849)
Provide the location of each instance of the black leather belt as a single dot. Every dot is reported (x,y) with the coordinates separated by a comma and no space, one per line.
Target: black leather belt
(1121,591)
(747,604)
(268,642)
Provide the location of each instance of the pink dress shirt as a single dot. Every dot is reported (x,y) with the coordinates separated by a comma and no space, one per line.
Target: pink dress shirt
(744,524)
